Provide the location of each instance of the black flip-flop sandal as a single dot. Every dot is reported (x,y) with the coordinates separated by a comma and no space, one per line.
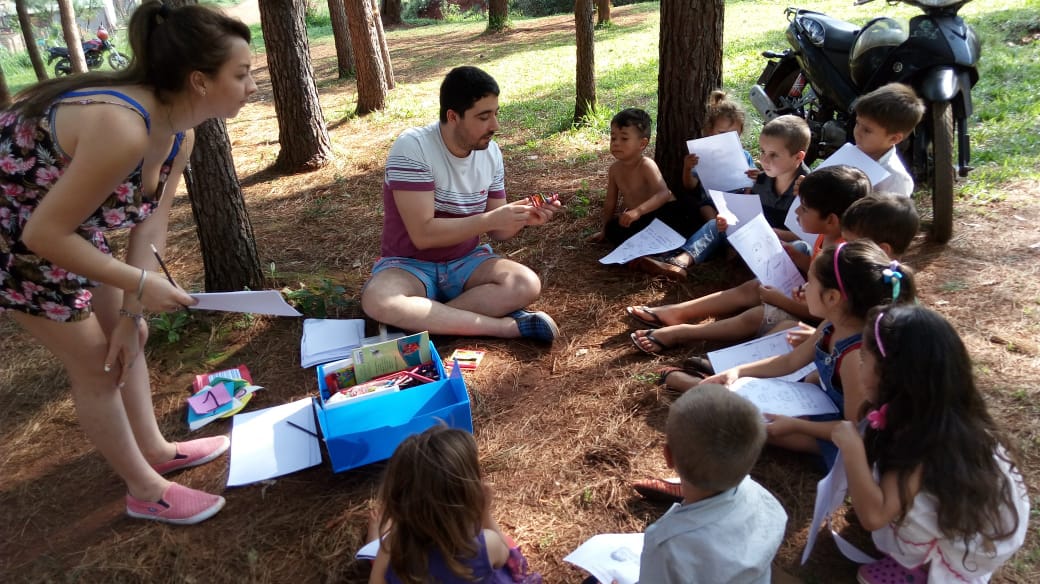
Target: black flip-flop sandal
(649,335)
(654,322)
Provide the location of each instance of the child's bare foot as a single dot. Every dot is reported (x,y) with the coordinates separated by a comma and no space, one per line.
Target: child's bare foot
(653,317)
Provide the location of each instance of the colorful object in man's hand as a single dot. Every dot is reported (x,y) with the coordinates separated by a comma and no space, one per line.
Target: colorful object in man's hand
(540,200)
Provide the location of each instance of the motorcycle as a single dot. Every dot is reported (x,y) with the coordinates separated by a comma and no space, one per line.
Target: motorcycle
(832,62)
(93,50)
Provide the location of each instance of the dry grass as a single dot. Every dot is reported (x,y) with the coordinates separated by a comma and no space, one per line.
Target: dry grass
(562,431)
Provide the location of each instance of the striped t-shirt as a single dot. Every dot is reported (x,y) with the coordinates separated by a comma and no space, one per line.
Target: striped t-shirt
(419,161)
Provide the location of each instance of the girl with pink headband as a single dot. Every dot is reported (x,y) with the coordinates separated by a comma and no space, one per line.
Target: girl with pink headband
(932,477)
(845,282)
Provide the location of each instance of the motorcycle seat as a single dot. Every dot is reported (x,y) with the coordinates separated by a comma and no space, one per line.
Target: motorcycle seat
(840,35)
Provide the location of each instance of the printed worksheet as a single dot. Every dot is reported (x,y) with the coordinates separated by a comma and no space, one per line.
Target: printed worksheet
(786,398)
(737,208)
(655,238)
(830,495)
(760,248)
(756,350)
(722,164)
(856,158)
(791,222)
(610,557)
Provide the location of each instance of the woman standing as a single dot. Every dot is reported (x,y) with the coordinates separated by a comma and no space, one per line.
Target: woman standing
(91,153)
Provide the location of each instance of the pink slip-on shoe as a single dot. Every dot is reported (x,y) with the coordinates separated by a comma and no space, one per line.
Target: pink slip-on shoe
(194,453)
(179,505)
(888,571)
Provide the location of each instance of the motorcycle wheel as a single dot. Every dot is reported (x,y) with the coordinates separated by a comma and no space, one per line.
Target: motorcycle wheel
(941,171)
(62,67)
(118,61)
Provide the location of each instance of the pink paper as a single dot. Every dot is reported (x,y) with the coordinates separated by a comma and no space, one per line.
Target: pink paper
(209,399)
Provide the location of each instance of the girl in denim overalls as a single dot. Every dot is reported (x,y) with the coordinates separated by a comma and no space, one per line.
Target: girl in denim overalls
(845,282)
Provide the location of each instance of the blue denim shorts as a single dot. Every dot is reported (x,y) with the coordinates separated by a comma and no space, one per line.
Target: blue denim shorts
(443,280)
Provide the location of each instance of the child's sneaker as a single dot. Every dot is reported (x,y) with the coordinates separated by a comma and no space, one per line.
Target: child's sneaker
(194,453)
(535,325)
(179,505)
(888,571)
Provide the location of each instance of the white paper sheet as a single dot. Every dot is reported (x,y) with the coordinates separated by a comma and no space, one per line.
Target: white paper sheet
(760,248)
(852,156)
(722,164)
(791,222)
(265,444)
(786,398)
(368,551)
(738,209)
(755,350)
(610,556)
(328,339)
(655,238)
(830,494)
(255,302)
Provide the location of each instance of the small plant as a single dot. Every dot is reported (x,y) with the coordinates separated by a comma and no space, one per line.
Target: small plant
(579,205)
(323,300)
(171,325)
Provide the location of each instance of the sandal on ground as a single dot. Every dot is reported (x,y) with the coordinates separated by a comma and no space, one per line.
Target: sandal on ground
(664,491)
(664,372)
(674,260)
(652,321)
(650,336)
(658,267)
(886,571)
(698,365)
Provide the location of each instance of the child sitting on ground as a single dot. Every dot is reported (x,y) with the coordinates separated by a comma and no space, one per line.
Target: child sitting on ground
(723,115)
(644,194)
(933,477)
(825,195)
(887,219)
(783,143)
(727,527)
(436,517)
(884,117)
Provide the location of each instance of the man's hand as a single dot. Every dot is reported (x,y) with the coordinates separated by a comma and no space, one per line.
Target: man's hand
(511,217)
(542,214)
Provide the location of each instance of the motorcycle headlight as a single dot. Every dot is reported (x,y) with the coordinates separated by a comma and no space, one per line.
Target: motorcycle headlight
(813,29)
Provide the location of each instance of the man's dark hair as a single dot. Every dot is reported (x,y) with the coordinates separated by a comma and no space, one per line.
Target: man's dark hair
(635,118)
(464,86)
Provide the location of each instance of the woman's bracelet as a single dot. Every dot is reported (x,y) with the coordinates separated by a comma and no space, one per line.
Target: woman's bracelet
(137,316)
(140,284)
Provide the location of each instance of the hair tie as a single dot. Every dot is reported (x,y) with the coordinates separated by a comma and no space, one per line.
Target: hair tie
(893,276)
(878,418)
(837,272)
(877,333)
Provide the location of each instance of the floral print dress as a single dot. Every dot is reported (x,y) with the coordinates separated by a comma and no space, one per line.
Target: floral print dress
(31,161)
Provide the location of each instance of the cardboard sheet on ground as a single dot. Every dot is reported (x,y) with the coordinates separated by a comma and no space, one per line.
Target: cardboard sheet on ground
(655,238)
(738,209)
(755,350)
(786,398)
(760,249)
(610,557)
(722,164)
(273,442)
(852,156)
(830,494)
(254,302)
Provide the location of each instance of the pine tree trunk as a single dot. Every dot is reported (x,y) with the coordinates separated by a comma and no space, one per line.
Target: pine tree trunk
(371,80)
(690,68)
(30,41)
(392,13)
(585,85)
(70,28)
(602,12)
(5,92)
(341,35)
(302,135)
(384,50)
(498,15)
(221,221)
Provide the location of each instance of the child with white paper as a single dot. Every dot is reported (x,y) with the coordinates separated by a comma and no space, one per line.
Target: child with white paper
(845,282)
(826,194)
(723,115)
(884,117)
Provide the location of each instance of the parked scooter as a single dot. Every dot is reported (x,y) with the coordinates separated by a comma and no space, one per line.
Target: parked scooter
(833,62)
(94,50)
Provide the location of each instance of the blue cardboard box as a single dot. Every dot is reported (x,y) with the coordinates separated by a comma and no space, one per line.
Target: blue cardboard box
(368,431)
